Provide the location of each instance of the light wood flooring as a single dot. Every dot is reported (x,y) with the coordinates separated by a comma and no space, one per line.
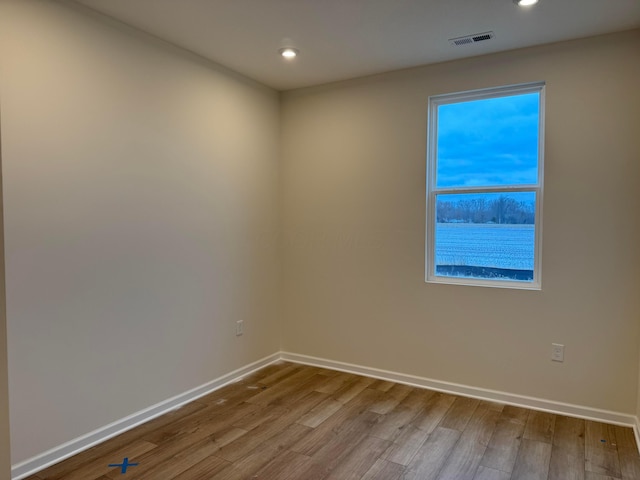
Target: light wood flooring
(290,421)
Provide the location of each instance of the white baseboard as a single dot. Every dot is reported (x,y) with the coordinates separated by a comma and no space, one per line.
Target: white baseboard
(533,403)
(77,445)
(61,452)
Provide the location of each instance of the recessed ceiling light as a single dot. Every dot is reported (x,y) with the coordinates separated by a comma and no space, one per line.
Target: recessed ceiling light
(288,52)
(525,3)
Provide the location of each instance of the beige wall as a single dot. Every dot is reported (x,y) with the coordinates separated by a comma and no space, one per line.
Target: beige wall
(141,221)
(353,215)
(5,450)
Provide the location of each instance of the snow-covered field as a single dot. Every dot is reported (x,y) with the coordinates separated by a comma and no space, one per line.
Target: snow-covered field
(485,245)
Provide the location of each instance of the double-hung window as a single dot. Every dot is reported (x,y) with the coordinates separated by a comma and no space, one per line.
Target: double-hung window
(484,187)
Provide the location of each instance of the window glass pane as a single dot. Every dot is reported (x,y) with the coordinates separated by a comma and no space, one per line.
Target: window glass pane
(486,236)
(488,142)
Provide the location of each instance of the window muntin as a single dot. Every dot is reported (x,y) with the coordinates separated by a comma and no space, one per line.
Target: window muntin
(484,187)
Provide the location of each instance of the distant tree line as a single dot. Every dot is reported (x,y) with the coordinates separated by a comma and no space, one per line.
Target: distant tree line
(502,210)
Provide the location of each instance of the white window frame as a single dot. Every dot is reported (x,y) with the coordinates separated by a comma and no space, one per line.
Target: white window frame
(432,190)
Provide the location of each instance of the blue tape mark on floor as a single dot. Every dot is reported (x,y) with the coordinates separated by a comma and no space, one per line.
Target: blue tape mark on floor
(124,465)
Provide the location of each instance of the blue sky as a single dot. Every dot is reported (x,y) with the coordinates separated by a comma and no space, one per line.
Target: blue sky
(526,197)
(488,142)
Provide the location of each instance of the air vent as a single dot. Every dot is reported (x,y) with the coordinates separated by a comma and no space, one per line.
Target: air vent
(468,39)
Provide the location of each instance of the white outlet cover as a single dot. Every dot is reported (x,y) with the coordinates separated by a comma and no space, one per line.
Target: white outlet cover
(557,352)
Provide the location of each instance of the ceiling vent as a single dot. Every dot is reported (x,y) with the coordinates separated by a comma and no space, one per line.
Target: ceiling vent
(469,39)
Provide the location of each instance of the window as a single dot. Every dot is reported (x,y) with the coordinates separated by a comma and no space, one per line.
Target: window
(484,187)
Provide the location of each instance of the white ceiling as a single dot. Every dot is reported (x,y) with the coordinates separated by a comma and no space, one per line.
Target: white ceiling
(340,39)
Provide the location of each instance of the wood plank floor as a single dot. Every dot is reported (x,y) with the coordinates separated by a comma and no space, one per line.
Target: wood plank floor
(289,421)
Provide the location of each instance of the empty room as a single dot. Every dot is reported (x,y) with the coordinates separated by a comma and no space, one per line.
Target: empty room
(320,239)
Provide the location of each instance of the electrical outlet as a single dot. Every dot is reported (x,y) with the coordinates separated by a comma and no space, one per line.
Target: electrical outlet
(239,327)
(557,352)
